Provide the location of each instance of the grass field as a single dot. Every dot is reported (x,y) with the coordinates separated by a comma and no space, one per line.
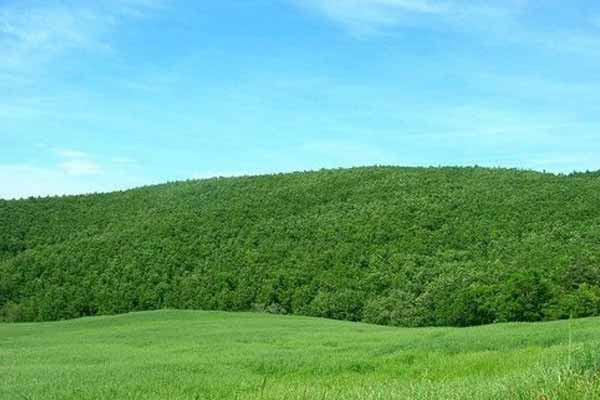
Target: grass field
(214,355)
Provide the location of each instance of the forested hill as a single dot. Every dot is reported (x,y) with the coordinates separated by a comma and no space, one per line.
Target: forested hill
(401,246)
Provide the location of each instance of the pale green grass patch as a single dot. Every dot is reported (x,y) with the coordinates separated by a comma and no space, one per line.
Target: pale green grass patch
(214,355)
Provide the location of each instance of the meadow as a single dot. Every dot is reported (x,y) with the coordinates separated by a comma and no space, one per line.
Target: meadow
(218,355)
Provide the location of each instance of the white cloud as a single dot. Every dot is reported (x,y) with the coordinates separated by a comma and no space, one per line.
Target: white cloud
(32,33)
(138,8)
(123,161)
(24,180)
(37,34)
(76,172)
(80,166)
(369,16)
(495,21)
(72,153)
(364,17)
(78,163)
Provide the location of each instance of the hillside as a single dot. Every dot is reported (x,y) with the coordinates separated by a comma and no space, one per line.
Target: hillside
(215,355)
(388,245)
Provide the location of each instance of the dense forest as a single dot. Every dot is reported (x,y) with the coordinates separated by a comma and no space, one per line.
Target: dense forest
(388,245)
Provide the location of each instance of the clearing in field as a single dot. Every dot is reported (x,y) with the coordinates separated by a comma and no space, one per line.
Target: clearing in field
(216,355)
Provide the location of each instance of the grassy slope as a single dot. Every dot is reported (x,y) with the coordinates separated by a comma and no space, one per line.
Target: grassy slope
(210,355)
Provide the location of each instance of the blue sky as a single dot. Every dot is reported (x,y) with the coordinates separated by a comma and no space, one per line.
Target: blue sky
(97,96)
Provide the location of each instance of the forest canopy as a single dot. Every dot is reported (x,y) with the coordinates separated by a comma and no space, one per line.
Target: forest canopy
(387,245)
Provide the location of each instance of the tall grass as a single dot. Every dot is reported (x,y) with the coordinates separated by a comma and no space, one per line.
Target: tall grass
(244,356)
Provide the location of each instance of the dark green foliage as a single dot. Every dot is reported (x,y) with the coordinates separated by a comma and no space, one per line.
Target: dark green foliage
(399,246)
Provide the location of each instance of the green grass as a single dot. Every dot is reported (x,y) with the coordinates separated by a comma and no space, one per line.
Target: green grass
(216,355)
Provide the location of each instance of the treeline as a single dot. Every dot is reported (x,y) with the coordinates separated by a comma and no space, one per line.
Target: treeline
(389,245)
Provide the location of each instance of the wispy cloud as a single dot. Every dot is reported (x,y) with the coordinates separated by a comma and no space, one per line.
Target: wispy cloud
(38,34)
(72,153)
(78,163)
(39,38)
(33,32)
(73,172)
(80,166)
(23,180)
(364,17)
(123,161)
(506,21)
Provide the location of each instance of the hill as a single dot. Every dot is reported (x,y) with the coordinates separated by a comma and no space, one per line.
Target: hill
(215,355)
(388,245)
